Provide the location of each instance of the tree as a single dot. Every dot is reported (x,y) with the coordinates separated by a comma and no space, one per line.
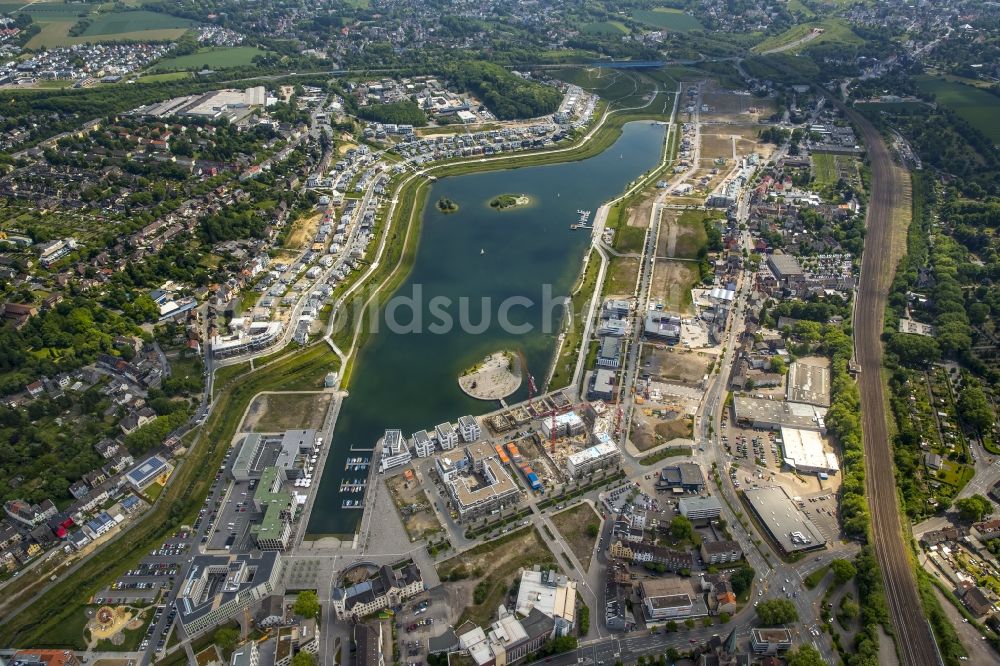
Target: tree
(843,571)
(776,612)
(742,579)
(973,407)
(307,604)
(227,638)
(593,530)
(681,528)
(973,508)
(804,655)
(304,659)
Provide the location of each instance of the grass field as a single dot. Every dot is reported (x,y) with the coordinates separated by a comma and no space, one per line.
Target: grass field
(834,30)
(604,28)
(824,169)
(215,58)
(975,106)
(56,19)
(666,18)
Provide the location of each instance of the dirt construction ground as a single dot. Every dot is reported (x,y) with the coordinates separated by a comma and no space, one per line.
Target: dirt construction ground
(675,365)
(277,412)
(573,524)
(494,565)
(413,506)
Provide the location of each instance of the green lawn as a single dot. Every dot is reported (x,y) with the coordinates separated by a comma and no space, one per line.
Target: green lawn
(975,106)
(834,30)
(214,58)
(666,18)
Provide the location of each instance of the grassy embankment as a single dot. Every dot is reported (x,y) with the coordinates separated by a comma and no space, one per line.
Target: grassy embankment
(178,504)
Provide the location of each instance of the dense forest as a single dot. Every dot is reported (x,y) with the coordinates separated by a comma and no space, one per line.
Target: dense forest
(405,112)
(507,95)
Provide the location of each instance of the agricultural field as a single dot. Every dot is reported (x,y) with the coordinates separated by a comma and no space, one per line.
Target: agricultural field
(56,20)
(214,58)
(118,23)
(666,18)
(975,106)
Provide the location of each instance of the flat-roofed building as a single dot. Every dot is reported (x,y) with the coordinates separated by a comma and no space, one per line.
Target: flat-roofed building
(665,599)
(469,428)
(808,383)
(770,641)
(602,385)
(568,424)
(147,471)
(394,450)
(423,445)
(784,521)
(219,588)
(699,508)
(803,451)
(777,414)
(721,552)
(599,456)
(476,495)
(682,476)
(275,528)
(550,593)
(447,436)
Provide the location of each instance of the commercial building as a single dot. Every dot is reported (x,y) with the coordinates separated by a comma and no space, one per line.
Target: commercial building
(777,414)
(662,326)
(550,593)
(808,383)
(770,641)
(143,474)
(423,445)
(219,588)
(44,658)
(610,352)
(288,451)
(788,526)
(803,451)
(469,428)
(275,529)
(475,495)
(394,450)
(721,552)
(665,599)
(387,588)
(682,477)
(786,269)
(599,456)
(699,508)
(245,655)
(602,385)
(446,435)
(566,425)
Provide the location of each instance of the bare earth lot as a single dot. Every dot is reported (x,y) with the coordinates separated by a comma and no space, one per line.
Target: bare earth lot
(572,524)
(276,412)
(672,282)
(494,565)
(413,506)
(675,365)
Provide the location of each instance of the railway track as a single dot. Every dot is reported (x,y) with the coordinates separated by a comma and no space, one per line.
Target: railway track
(914,637)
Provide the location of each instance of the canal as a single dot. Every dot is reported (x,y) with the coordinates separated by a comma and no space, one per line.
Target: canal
(406,376)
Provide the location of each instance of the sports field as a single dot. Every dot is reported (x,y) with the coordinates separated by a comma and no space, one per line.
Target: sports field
(666,18)
(975,106)
(215,58)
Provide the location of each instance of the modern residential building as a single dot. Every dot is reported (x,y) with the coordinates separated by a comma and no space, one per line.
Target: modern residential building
(220,587)
(602,385)
(394,450)
(610,352)
(721,552)
(599,456)
(476,495)
(770,641)
(387,588)
(469,428)
(568,424)
(699,508)
(423,445)
(447,436)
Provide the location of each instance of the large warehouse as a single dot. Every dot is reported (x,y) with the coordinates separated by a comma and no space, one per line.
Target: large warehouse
(787,525)
(803,451)
(777,414)
(808,383)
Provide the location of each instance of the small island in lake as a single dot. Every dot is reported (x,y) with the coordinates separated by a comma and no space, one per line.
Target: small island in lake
(494,378)
(446,205)
(509,201)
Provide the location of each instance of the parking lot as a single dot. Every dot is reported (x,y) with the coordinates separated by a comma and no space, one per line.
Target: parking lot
(822,510)
(420,619)
(234,514)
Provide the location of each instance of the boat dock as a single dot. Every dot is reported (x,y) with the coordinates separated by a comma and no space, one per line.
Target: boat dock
(357,464)
(582,222)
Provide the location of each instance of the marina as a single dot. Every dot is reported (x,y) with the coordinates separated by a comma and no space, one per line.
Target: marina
(407,380)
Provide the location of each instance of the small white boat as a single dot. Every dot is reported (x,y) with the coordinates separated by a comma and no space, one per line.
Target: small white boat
(482,252)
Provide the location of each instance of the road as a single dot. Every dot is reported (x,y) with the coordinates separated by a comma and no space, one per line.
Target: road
(914,637)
